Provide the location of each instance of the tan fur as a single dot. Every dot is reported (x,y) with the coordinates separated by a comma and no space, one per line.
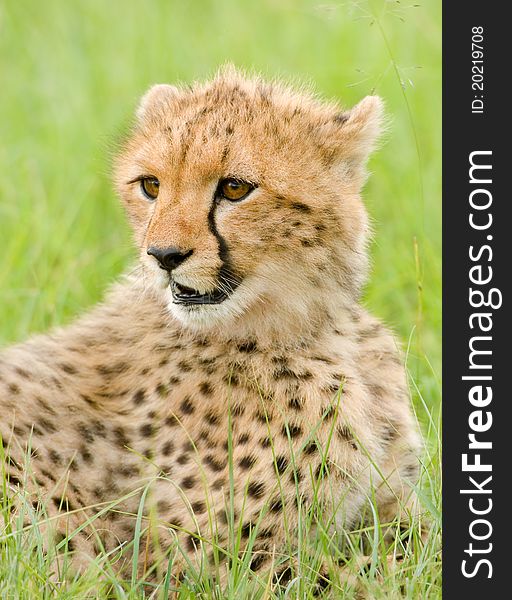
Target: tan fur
(143,388)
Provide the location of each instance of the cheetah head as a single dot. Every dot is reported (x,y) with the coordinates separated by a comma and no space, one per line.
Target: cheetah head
(244,197)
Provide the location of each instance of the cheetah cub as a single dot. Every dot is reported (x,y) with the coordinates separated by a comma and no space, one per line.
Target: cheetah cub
(232,378)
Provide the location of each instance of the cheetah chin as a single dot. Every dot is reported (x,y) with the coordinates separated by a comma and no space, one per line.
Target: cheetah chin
(203,311)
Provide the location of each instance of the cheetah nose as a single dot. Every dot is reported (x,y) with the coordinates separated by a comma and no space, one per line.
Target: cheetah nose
(169,258)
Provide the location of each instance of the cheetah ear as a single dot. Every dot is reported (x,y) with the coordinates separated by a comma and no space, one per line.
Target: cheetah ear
(358,129)
(157,100)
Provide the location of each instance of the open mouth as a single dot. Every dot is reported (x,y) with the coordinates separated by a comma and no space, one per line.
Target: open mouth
(188,296)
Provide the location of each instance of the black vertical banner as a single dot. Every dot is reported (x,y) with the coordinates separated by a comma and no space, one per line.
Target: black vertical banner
(477,267)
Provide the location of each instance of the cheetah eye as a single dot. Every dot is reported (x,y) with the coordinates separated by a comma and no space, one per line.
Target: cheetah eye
(150,187)
(233,189)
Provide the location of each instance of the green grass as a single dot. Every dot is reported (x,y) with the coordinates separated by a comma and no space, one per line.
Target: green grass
(71,75)
(384,559)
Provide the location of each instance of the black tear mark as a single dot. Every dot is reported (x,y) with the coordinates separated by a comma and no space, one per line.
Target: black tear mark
(226,274)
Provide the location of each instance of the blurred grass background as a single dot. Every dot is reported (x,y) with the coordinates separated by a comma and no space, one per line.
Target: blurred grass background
(71,74)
